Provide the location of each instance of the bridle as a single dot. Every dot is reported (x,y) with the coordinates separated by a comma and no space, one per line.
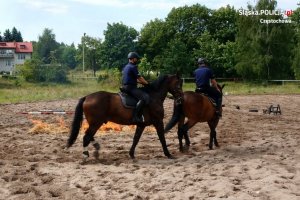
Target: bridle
(177,93)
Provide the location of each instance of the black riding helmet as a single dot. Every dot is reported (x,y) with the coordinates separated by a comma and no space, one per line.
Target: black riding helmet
(202,61)
(132,55)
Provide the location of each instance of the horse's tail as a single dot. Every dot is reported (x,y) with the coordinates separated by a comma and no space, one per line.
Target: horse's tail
(76,124)
(177,113)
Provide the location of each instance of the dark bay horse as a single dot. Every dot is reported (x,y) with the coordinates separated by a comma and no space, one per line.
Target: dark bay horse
(196,107)
(101,107)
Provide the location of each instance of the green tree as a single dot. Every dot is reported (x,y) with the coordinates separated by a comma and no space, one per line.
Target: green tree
(119,41)
(263,49)
(145,67)
(7,36)
(175,58)
(222,24)
(153,39)
(45,45)
(296,60)
(16,35)
(219,55)
(187,23)
(68,57)
(93,49)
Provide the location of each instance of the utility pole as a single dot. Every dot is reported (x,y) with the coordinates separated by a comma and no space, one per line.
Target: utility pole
(83,52)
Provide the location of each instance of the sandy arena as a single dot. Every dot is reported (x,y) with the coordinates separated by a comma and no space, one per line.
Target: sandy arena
(258,157)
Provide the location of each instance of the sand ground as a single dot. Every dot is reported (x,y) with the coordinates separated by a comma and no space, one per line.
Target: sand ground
(258,157)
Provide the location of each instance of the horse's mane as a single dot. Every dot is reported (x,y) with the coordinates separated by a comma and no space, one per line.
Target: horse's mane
(155,85)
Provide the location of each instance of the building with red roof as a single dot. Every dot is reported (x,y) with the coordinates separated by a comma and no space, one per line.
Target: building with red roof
(14,53)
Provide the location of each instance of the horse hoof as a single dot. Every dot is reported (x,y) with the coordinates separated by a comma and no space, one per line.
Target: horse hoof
(83,162)
(96,155)
(132,156)
(171,157)
(85,154)
(96,146)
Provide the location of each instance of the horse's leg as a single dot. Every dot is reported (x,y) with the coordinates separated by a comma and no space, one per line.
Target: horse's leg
(88,137)
(187,139)
(180,133)
(138,132)
(184,132)
(96,145)
(213,134)
(159,126)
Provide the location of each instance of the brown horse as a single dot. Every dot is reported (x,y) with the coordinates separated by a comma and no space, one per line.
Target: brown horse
(102,106)
(196,107)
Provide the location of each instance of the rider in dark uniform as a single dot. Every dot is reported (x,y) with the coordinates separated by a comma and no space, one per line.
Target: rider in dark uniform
(130,79)
(206,83)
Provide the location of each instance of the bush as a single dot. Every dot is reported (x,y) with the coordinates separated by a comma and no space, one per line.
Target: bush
(35,71)
(111,77)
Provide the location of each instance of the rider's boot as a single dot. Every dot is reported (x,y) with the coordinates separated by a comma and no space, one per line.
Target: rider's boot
(138,112)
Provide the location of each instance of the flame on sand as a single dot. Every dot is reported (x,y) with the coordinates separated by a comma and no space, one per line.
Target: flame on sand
(43,127)
(59,126)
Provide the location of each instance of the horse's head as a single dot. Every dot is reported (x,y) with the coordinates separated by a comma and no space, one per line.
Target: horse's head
(175,87)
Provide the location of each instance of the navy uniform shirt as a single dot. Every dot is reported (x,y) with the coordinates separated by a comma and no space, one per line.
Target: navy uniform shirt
(130,74)
(203,75)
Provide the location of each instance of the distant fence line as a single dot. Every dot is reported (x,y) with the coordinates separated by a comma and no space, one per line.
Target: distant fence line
(77,77)
(283,81)
(190,79)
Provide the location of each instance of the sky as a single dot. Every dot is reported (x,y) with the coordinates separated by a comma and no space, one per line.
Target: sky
(70,19)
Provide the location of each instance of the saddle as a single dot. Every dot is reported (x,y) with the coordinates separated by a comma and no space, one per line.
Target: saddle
(128,101)
(212,100)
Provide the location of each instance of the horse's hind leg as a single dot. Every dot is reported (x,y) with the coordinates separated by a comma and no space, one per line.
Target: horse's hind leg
(138,132)
(89,137)
(213,134)
(183,131)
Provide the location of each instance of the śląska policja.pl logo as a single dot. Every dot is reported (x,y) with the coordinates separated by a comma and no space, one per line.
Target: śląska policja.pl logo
(284,13)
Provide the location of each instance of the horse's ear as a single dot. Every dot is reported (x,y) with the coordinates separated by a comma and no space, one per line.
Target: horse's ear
(178,74)
(223,86)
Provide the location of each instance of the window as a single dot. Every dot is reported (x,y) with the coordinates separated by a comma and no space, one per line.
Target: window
(22,46)
(21,56)
(8,62)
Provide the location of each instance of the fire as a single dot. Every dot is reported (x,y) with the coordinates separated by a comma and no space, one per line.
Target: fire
(60,127)
(43,127)
(109,126)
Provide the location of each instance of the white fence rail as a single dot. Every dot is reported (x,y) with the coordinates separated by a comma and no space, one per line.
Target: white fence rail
(284,81)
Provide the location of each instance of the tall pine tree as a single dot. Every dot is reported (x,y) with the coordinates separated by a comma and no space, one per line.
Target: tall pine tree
(7,36)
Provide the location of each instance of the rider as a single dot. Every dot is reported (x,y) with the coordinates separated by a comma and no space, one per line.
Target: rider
(130,79)
(206,83)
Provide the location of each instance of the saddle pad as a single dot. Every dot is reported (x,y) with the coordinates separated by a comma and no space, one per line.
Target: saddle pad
(127,100)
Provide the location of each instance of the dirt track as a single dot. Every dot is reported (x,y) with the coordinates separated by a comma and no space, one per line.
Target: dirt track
(258,158)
